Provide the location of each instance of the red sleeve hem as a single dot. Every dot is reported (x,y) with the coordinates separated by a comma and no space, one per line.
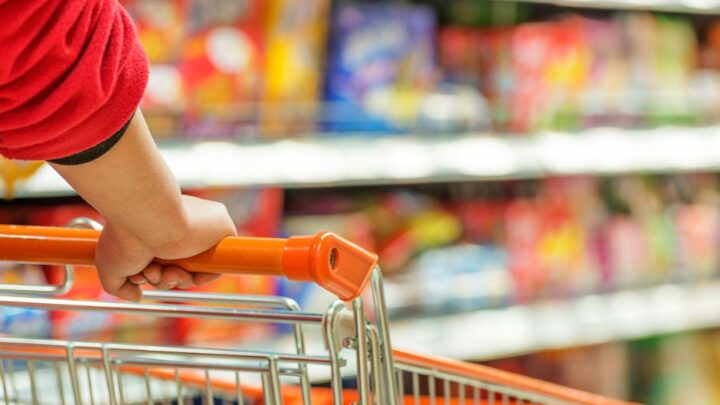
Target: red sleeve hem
(102,124)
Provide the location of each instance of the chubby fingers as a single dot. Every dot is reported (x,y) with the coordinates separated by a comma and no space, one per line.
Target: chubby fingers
(174,277)
(164,277)
(158,276)
(119,286)
(205,278)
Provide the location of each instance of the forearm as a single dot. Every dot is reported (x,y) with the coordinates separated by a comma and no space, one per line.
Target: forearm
(83,58)
(131,186)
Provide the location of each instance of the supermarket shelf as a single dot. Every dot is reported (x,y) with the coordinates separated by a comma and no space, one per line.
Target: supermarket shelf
(679,6)
(593,319)
(522,329)
(355,160)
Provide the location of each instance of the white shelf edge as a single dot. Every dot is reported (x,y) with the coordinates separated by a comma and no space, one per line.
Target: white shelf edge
(678,6)
(347,161)
(593,319)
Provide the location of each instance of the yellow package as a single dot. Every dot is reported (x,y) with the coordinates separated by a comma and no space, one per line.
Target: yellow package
(12,171)
(296,32)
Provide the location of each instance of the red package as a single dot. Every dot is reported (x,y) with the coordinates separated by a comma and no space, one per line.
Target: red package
(482,221)
(160,27)
(550,63)
(221,65)
(566,237)
(459,55)
(523,224)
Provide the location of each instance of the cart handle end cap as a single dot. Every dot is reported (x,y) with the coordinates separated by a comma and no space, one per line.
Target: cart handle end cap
(332,262)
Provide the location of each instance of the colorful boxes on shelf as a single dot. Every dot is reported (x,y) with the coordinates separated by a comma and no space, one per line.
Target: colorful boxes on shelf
(233,69)
(517,242)
(247,69)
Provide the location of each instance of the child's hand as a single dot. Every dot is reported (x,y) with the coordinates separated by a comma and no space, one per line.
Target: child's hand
(124,259)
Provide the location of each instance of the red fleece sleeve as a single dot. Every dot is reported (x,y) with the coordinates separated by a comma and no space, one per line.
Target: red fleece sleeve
(72,73)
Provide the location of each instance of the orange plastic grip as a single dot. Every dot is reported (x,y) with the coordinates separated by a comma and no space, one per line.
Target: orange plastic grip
(335,264)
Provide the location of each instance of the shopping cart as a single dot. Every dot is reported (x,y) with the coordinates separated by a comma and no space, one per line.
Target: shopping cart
(357,366)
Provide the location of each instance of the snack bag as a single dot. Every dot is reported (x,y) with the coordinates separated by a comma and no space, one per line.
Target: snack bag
(380,64)
(161,30)
(550,62)
(221,65)
(564,242)
(296,35)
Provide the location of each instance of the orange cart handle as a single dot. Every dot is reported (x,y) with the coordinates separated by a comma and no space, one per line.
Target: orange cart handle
(335,264)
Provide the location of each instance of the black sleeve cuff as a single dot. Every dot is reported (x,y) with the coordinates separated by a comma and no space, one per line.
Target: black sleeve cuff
(94,152)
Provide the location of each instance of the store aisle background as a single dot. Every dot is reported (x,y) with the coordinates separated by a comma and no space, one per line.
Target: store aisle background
(539,178)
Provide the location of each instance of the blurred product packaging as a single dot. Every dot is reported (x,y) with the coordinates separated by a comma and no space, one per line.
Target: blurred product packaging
(221,64)
(23,322)
(296,35)
(570,73)
(161,30)
(523,241)
(380,66)
(206,65)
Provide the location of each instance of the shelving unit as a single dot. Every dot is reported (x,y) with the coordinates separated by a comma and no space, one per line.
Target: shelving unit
(520,329)
(587,320)
(353,160)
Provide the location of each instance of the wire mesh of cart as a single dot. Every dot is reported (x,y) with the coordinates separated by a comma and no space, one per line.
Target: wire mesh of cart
(356,366)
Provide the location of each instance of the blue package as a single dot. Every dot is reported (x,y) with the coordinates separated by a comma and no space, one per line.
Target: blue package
(380,58)
(24,322)
(474,277)
(17,321)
